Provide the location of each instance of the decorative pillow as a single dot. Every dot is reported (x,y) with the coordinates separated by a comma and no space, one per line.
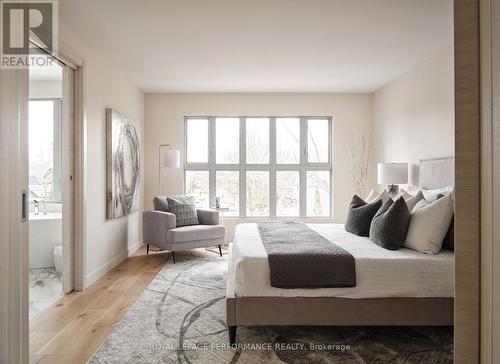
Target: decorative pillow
(383,195)
(160,204)
(403,194)
(374,196)
(412,190)
(390,224)
(428,225)
(184,209)
(449,239)
(360,216)
(433,195)
(371,196)
(413,200)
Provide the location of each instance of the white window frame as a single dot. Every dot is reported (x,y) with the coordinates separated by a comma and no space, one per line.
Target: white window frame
(303,167)
(57,140)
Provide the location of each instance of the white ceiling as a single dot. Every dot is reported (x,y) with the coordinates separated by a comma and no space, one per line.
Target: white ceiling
(263,45)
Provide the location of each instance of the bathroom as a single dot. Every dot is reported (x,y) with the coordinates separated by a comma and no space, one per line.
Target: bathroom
(45,188)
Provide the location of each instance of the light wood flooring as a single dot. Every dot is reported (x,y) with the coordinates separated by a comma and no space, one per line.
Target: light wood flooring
(72,329)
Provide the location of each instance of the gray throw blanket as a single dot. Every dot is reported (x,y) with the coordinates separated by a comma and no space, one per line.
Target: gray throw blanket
(301,258)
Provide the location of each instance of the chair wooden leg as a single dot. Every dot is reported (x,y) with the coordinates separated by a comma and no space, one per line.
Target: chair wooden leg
(173,256)
(232,334)
(220,251)
(147,249)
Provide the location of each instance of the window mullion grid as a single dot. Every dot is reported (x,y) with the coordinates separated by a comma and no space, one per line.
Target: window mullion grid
(272,167)
(243,161)
(303,168)
(211,160)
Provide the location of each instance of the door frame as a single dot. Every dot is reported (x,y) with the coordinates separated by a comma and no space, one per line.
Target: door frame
(70,58)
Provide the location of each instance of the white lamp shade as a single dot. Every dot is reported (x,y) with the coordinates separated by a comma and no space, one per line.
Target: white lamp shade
(171,158)
(392,173)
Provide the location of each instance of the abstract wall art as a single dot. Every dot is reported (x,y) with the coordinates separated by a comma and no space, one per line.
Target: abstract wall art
(122,165)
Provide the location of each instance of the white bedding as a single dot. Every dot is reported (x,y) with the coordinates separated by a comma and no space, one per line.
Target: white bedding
(380,272)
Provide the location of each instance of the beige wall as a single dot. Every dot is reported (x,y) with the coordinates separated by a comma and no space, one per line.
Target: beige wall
(164,115)
(108,242)
(413,116)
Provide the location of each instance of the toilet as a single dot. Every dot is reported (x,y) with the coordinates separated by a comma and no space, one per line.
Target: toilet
(58,258)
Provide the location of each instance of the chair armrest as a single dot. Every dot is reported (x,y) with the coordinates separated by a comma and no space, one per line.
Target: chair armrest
(208,216)
(155,226)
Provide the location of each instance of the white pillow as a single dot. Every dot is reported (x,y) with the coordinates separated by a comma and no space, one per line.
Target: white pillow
(432,195)
(412,190)
(428,225)
(403,193)
(411,200)
(371,196)
(414,200)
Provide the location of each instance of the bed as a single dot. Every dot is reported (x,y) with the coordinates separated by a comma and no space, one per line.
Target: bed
(402,287)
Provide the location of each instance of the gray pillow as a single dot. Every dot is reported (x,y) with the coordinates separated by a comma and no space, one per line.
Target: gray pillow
(360,215)
(184,209)
(160,203)
(390,224)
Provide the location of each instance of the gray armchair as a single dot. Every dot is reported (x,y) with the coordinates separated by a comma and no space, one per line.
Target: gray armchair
(160,230)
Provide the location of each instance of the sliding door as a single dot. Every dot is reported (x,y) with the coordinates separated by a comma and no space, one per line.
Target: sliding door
(13,216)
(68,162)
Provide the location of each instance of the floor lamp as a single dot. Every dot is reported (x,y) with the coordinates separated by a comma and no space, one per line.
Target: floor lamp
(169,158)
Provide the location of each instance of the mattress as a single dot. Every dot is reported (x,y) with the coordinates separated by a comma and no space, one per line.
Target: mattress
(380,272)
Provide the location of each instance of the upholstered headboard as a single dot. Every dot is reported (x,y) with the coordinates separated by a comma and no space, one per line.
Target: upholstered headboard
(436,173)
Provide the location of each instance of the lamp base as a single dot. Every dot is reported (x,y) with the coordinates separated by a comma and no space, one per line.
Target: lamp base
(393,190)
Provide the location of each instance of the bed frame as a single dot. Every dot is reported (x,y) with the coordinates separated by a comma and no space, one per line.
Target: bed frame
(336,311)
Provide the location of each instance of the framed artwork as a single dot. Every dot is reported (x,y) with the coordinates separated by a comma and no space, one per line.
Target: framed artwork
(122,165)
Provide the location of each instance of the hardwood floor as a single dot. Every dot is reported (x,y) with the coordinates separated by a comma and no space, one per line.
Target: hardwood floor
(72,329)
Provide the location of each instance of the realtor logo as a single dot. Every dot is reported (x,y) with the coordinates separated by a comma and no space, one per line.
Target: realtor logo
(28,33)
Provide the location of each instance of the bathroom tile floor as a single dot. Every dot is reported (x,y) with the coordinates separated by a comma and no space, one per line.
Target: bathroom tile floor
(45,288)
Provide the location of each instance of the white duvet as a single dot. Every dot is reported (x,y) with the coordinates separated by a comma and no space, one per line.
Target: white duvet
(379,272)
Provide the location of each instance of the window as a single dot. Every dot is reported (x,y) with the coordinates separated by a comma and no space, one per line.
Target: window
(318,193)
(257,140)
(260,166)
(257,193)
(227,140)
(227,186)
(288,140)
(45,150)
(197,140)
(287,193)
(317,140)
(197,186)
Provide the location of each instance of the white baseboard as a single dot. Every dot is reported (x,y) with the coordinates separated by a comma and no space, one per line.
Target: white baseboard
(132,249)
(102,270)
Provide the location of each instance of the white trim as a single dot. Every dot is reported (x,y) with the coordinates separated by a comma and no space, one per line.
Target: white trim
(67,150)
(105,268)
(134,248)
(80,246)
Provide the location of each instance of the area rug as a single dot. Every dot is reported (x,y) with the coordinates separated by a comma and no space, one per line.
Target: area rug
(180,318)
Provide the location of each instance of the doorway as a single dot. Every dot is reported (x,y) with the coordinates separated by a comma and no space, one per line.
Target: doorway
(50,190)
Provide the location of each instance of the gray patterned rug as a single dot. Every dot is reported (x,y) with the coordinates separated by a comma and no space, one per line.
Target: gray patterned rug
(180,318)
